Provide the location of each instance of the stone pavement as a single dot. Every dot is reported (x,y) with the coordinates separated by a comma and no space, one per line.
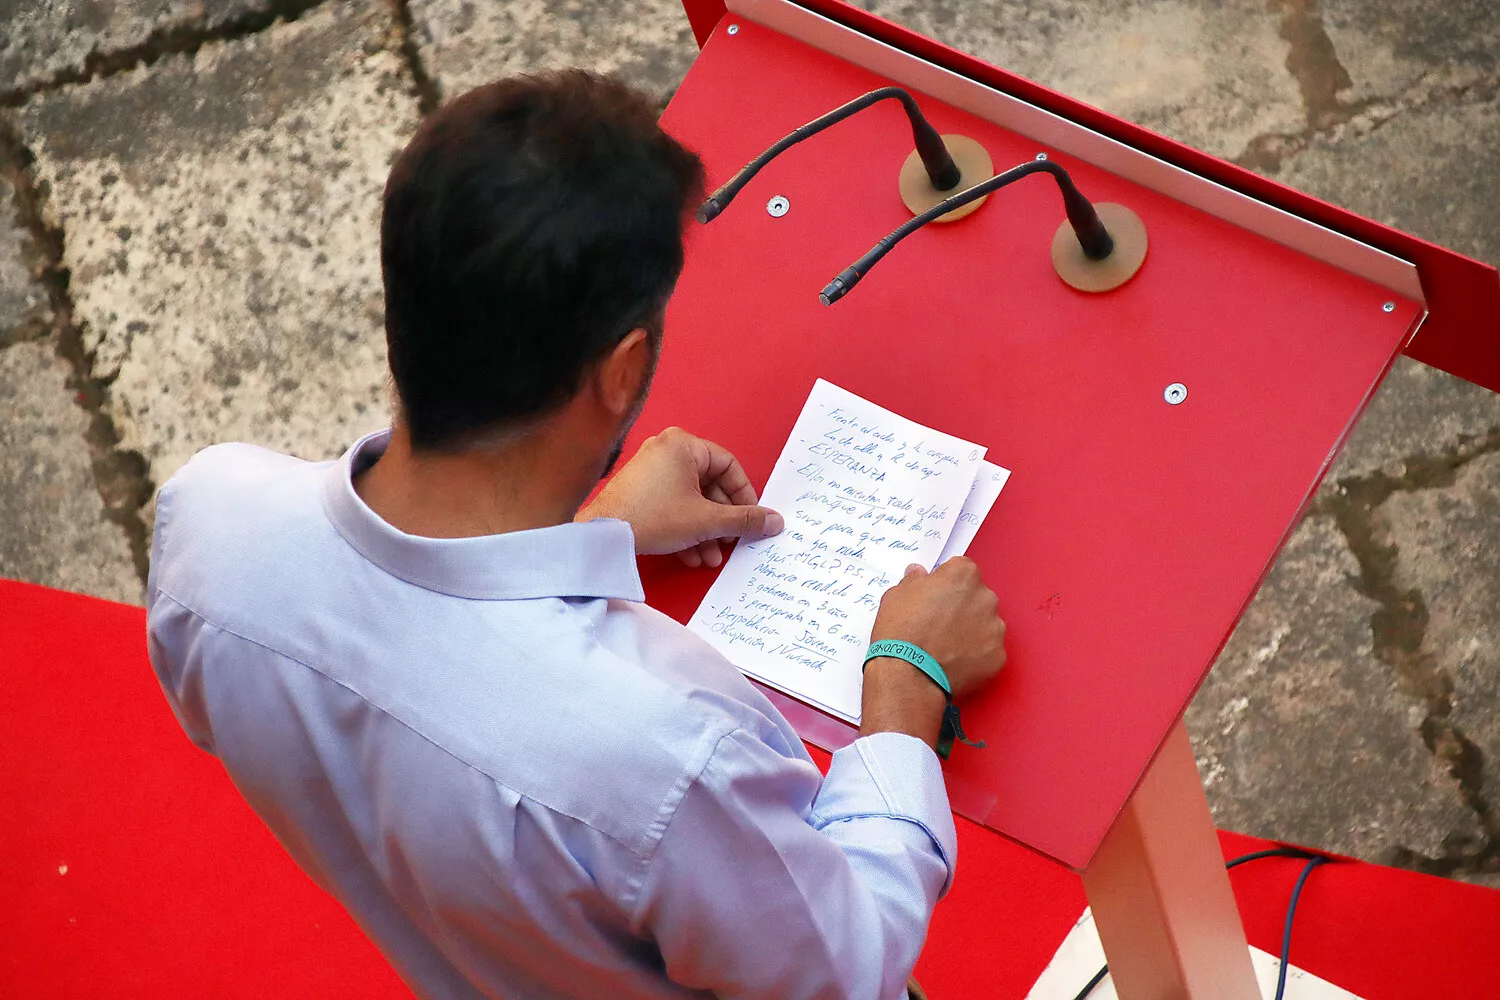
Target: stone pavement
(189,192)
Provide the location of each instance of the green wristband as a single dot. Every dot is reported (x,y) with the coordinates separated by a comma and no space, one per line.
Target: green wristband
(916,656)
(921,659)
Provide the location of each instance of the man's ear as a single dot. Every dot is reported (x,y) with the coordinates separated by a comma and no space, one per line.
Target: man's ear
(620,377)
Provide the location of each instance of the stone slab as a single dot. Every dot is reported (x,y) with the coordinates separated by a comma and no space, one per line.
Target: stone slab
(1448,539)
(1387,46)
(1210,75)
(1431,171)
(40,39)
(55,532)
(464,43)
(1417,411)
(1303,734)
(221,214)
(24,311)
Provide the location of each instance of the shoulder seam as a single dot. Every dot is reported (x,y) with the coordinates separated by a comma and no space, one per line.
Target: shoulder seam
(642,853)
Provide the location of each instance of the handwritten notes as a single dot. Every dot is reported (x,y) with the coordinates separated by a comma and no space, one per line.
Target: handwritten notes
(982,496)
(865,493)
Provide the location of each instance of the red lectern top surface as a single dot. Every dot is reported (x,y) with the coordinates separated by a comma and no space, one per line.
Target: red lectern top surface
(1133,532)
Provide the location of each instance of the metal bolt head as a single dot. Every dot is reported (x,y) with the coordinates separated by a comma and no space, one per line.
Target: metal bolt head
(1041,156)
(1389,307)
(777,207)
(1175,393)
(734,29)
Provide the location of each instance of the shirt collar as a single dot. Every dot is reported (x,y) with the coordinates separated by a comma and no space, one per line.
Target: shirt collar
(592,559)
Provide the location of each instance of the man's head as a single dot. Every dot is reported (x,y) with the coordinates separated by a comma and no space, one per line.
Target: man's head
(532,231)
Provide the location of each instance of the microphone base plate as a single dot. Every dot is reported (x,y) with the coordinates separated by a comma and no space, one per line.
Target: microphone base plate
(1120,266)
(974,165)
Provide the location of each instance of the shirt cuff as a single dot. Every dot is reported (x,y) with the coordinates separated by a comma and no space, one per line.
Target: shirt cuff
(891,776)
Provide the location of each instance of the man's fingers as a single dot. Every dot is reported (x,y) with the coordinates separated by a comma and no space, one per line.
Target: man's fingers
(714,493)
(743,521)
(915,569)
(717,467)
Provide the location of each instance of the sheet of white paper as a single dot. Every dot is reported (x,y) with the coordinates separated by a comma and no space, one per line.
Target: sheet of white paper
(1081,956)
(865,494)
(982,496)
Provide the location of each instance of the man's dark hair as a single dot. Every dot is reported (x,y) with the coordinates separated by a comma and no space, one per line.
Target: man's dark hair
(528,227)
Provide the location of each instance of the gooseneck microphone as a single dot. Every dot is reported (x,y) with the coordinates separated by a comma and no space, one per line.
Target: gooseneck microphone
(941,168)
(1095,240)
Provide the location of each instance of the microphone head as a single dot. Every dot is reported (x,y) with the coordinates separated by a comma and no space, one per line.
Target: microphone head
(709,210)
(839,287)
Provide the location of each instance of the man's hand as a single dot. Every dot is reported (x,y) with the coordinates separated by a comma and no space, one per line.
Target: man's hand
(683,494)
(953,616)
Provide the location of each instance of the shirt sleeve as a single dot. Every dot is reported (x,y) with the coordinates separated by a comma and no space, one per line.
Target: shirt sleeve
(171,636)
(771,883)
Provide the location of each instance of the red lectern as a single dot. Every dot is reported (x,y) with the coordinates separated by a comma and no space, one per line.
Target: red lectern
(1164,436)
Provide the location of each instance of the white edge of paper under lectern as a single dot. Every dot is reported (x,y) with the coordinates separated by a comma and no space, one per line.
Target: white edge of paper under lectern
(1081,955)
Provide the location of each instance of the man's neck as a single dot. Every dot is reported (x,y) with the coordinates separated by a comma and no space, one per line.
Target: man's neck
(533,480)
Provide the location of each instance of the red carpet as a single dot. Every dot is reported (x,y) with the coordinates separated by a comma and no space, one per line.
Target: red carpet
(129,866)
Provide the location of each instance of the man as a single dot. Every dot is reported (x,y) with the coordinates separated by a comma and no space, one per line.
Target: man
(432,675)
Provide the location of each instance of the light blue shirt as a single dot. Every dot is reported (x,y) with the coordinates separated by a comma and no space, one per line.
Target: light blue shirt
(521,780)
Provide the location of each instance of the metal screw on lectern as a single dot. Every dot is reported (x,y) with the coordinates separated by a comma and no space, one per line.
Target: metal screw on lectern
(1175,393)
(1389,307)
(777,207)
(1041,156)
(734,29)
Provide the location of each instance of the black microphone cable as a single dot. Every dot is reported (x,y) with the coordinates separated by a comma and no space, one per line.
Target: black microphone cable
(1092,236)
(941,168)
(1313,860)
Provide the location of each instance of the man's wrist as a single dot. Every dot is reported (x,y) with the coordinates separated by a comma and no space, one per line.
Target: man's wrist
(899,698)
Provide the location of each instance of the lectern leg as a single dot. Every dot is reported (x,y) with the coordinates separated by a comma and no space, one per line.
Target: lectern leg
(1161,897)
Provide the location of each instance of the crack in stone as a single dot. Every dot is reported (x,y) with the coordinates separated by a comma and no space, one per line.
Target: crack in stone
(120,475)
(173,39)
(429,91)
(1398,629)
